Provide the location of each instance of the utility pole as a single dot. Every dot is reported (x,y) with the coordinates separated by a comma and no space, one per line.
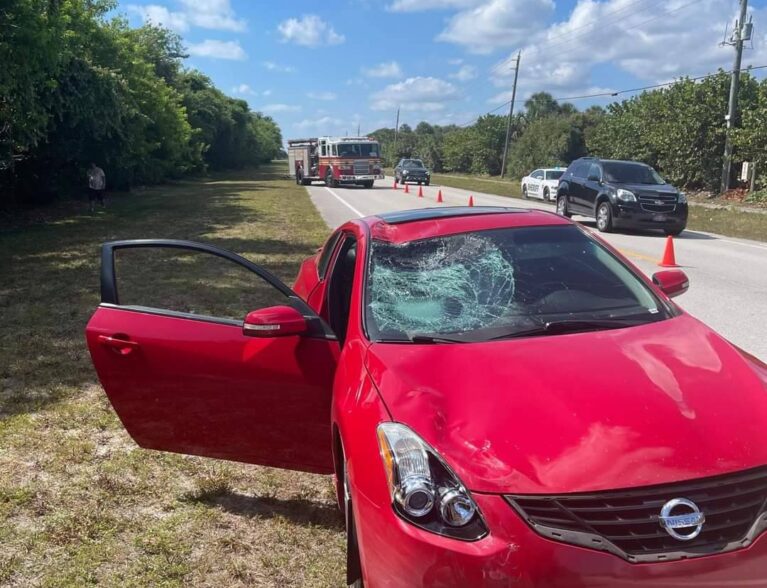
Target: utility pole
(396,134)
(737,40)
(511,111)
(358,129)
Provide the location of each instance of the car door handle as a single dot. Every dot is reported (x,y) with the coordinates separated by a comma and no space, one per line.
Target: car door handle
(122,346)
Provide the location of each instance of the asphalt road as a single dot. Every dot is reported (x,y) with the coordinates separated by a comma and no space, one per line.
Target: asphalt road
(728,277)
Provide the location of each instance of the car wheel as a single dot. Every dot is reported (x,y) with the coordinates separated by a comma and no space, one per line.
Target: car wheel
(605,218)
(524,191)
(353,564)
(367,184)
(674,232)
(562,206)
(546,195)
(427,182)
(329,180)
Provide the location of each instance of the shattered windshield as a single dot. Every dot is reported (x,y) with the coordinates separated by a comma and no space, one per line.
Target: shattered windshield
(485,283)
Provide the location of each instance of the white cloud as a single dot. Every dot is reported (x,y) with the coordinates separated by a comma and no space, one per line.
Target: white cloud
(218,50)
(415,94)
(246,90)
(272,66)
(322,95)
(464,73)
(206,14)
(331,125)
(497,24)
(275,108)
(243,89)
(319,124)
(389,69)
(310,31)
(655,46)
(421,5)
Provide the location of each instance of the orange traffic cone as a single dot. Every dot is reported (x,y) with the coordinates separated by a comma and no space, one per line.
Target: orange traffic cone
(420,191)
(471,200)
(395,183)
(407,191)
(439,196)
(669,259)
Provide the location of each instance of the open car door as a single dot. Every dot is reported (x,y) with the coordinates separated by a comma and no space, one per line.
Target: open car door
(187,372)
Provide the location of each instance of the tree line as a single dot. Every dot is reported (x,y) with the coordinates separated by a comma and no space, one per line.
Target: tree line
(77,87)
(679,130)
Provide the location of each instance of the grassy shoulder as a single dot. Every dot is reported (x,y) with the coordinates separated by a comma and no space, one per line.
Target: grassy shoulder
(80,504)
(725,221)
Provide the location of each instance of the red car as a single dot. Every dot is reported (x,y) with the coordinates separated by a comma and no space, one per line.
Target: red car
(504,400)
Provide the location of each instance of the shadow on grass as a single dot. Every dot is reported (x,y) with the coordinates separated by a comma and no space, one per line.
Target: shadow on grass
(300,511)
(49,273)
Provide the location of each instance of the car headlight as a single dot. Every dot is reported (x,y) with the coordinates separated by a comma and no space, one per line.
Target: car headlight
(424,491)
(404,172)
(625,195)
(682,198)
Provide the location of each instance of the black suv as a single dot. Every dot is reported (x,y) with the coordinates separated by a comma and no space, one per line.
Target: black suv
(617,194)
(412,170)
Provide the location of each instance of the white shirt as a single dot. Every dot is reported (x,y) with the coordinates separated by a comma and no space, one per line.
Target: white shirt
(96,178)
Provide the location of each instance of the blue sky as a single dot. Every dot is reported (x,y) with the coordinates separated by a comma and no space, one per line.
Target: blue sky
(325,68)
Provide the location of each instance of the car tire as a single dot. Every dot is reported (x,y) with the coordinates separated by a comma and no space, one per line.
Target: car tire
(605,218)
(546,195)
(524,191)
(427,182)
(353,564)
(367,184)
(673,232)
(562,206)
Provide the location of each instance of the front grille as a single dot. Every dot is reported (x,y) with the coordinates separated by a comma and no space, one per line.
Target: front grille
(626,522)
(361,168)
(657,201)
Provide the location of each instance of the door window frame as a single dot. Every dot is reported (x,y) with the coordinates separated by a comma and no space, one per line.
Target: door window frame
(110,297)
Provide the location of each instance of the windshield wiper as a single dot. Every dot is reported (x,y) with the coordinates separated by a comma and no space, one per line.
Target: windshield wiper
(434,339)
(570,326)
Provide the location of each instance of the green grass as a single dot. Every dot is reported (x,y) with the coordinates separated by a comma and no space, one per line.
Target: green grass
(510,188)
(80,503)
(729,222)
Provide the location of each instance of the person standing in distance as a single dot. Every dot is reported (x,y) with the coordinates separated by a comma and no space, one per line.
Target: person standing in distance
(97,182)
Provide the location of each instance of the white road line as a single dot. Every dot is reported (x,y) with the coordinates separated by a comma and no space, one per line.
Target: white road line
(345,203)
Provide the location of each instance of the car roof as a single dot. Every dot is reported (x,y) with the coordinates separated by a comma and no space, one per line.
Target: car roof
(410,225)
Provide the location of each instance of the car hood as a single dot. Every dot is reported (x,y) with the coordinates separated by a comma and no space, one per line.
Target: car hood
(662,402)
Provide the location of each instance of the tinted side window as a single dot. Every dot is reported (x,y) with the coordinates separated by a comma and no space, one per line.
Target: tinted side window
(327,252)
(594,171)
(581,168)
(538,174)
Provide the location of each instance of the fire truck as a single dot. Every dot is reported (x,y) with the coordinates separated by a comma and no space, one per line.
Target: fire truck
(335,161)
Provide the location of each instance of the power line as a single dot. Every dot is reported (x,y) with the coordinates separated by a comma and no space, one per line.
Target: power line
(619,92)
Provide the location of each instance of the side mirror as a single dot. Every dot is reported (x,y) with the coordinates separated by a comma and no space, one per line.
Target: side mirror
(274,321)
(671,282)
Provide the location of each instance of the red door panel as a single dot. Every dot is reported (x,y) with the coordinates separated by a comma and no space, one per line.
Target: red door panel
(203,388)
